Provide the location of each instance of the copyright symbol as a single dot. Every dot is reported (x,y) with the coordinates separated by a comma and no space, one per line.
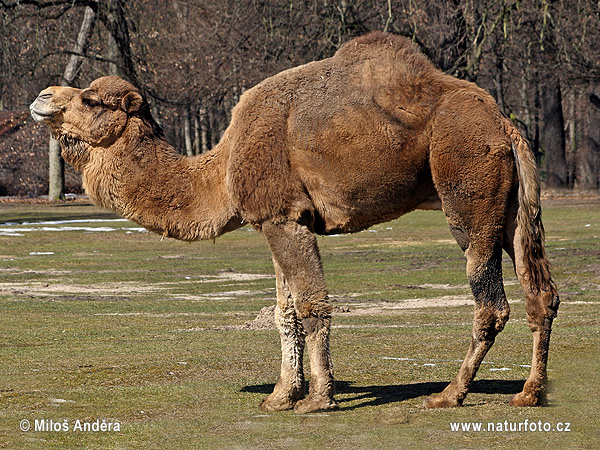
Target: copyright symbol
(25,425)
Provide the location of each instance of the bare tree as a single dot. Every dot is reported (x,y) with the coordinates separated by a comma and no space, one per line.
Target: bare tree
(592,160)
(507,46)
(56,188)
(552,135)
(553,132)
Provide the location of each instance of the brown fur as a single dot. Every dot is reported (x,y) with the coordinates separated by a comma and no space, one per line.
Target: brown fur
(333,146)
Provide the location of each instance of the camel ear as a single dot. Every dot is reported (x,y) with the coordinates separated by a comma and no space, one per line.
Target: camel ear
(132,102)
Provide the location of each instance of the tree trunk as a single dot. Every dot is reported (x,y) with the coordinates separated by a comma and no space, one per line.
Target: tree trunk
(112,15)
(56,171)
(553,132)
(196,134)
(204,131)
(114,68)
(499,82)
(187,131)
(592,160)
(571,125)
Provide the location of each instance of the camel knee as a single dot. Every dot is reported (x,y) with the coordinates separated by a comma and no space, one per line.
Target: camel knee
(313,305)
(542,309)
(285,319)
(489,321)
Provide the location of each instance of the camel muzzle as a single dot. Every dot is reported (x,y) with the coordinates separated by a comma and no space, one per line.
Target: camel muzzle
(51,102)
(41,109)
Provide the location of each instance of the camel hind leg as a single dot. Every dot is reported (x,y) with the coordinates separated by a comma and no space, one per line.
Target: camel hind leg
(541,304)
(491,313)
(472,169)
(477,224)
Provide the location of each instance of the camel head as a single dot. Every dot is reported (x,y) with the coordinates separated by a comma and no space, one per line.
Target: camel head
(92,117)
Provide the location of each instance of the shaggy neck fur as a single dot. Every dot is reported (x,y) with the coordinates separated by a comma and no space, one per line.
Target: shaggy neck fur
(142,178)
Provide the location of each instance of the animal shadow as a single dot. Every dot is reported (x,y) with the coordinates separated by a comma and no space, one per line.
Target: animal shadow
(381,395)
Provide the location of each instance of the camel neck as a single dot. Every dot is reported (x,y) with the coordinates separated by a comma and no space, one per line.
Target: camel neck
(144,179)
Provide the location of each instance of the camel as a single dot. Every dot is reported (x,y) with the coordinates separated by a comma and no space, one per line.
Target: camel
(332,146)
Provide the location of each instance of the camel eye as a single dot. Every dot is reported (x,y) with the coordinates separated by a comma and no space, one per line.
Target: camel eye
(90,101)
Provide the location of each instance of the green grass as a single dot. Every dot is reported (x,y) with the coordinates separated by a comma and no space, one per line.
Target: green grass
(124,327)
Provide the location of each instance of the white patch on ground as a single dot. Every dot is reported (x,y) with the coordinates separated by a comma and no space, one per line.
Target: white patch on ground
(576,302)
(236,276)
(16,271)
(63,222)
(20,231)
(432,362)
(17,229)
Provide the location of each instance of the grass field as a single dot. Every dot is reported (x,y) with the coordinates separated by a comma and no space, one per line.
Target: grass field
(101,322)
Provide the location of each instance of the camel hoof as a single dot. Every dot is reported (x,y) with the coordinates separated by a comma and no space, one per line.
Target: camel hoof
(273,403)
(315,404)
(527,399)
(440,401)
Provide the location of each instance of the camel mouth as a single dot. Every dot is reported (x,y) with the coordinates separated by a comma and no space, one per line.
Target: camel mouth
(41,115)
(41,109)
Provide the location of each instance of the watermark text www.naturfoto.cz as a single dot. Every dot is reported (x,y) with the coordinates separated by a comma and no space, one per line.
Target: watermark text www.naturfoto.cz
(525,426)
(64,426)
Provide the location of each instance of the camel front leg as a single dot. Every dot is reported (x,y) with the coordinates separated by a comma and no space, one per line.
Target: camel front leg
(295,251)
(321,389)
(290,387)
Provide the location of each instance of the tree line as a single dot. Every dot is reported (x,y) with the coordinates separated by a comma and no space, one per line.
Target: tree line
(194,58)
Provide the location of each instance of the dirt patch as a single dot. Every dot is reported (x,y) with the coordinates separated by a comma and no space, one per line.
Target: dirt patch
(265,320)
(225,295)
(387,308)
(45,289)
(229,275)
(15,271)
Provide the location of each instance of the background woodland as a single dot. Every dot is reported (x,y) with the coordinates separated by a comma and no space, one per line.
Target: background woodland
(193,59)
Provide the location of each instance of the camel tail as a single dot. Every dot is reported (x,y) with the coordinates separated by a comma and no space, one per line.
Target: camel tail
(529,215)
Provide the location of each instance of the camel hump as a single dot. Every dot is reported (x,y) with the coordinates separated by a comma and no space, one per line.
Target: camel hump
(377,42)
(378,39)
(388,59)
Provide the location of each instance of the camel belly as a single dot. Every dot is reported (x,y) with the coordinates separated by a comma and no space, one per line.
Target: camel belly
(351,195)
